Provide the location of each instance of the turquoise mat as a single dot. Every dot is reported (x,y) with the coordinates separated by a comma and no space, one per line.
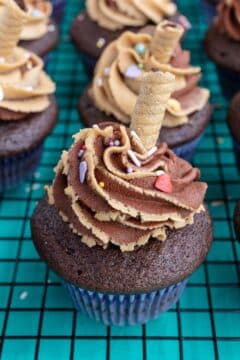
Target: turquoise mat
(37,320)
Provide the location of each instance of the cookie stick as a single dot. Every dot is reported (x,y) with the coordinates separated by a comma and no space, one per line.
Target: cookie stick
(155,91)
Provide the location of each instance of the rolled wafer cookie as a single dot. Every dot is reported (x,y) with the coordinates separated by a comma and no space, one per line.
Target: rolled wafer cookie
(12,19)
(155,91)
(165,40)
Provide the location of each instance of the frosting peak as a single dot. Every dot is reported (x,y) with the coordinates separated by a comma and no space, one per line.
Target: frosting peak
(228,20)
(124,62)
(111,192)
(116,14)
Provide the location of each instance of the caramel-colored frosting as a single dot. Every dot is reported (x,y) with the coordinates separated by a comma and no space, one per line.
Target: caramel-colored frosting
(24,86)
(111,192)
(228,20)
(122,65)
(117,14)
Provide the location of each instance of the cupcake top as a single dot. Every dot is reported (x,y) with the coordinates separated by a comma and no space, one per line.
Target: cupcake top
(122,65)
(228,20)
(116,186)
(24,86)
(117,14)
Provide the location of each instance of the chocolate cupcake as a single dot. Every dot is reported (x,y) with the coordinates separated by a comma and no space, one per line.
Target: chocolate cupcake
(40,33)
(236,220)
(28,110)
(124,223)
(113,93)
(233,120)
(222,43)
(104,21)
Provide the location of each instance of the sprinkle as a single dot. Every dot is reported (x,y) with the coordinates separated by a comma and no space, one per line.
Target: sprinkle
(140,48)
(106,71)
(95,126)
(141,66)
(163,183)
(133,72)
(152,151)
(160,172)
(117,143)
(82,171)
(80,17)
(100,82)
(80,153)
(100,43)
(1,94)
(134,134)
(27,56)
(101,184)
(51,28)
(129,170)
(111,143)
(23,295)
(29,65)
(2,60)
(36,13)
(134,158)
(184,22)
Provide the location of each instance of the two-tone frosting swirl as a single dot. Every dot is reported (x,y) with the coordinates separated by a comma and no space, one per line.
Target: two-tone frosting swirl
(124,62)
(228,20)
(117,14)
(110,191)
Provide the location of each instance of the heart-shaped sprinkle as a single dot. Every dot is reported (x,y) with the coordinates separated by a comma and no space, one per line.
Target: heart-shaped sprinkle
(164,184)
(133,72)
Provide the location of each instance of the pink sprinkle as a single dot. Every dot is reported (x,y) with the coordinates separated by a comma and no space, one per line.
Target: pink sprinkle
(111,143)
(129,170)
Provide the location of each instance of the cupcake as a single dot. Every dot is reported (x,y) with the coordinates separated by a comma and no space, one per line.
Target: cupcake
(39,33)
(222,43)
(113,93)
(58,9)
(104,21)
(233,120)
(236,220)
(28,110)
(124,223)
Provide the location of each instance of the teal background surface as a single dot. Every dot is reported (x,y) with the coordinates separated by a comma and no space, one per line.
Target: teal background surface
(37,320)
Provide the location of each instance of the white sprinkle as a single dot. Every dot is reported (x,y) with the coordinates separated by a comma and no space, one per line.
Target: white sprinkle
(28,88)
(99,82)
(117,143)
(51,28)
(152,151)
(134,134)
(134,158)
(27,55)
(1,94)
(36,13)
(129,170)
(100,43)
(2,60)
(160,172)
(95,126)
(106,71)
(23,295)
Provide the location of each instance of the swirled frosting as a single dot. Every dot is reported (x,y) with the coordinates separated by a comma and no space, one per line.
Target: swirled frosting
(122,65)
(116,14)
(228,20)
(111,192)
(24,86)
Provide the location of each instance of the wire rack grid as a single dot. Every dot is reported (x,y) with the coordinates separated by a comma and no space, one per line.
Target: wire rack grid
(37,320)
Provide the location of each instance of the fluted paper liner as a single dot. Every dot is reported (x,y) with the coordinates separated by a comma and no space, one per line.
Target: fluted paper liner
(12,19)
(150,109)
(165,40)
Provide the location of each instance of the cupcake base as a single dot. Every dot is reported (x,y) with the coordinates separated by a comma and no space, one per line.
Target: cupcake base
(58,10)
(15,168)
(123,310)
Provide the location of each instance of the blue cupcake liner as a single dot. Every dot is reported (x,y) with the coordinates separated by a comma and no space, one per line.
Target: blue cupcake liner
(15,168)
(187,151)
(209,9)
(236,150)
(123,310)
(229,81)
(58,9)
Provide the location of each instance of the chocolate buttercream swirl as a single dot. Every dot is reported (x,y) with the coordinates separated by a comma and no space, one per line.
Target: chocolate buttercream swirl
(116,14)
(124,62)
(24,86)
(228,20)
(110,192)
